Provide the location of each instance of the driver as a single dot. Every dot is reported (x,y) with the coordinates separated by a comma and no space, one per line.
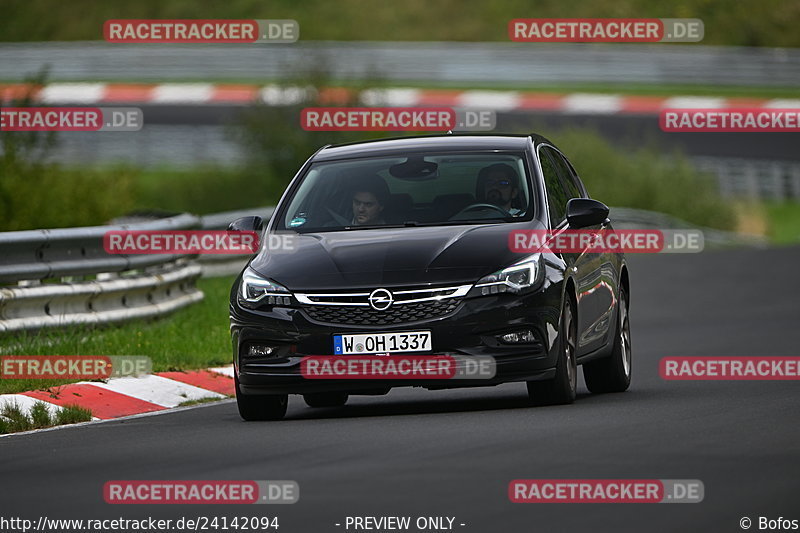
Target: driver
(500,186)
(369,199)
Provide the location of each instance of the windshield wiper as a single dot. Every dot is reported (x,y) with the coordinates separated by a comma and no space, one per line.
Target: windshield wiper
(415,224)
(374,226)
(461,222)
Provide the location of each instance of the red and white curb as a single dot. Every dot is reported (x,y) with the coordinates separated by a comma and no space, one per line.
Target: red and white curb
(207,93)
(128,396)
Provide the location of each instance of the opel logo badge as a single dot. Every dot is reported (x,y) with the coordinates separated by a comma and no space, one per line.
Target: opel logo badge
(380,299)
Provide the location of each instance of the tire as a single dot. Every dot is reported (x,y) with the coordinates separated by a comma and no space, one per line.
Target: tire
(326,399)
(613,373)
(254,407)
(561,389)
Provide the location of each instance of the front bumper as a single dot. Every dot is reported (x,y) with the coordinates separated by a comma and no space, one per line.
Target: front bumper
(470,330)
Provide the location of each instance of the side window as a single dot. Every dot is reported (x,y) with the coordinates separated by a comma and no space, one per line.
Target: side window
(565,173)
(556,196)
(573,181)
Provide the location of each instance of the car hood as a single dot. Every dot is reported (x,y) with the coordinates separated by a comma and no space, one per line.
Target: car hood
(390,257)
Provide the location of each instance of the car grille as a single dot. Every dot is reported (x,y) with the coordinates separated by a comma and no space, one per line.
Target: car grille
(409,305)
(366,316)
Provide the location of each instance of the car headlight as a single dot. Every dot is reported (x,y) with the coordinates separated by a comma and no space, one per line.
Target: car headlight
(256,290)
(526,274)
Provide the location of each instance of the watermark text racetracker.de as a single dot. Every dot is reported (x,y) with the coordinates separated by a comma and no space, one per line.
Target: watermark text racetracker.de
(730,368)
(606,241)
(191,31)
(191,242)
(730,120)
(73,366)
(396,119)
(71,119)
(201,492)
(397,367)
(606,491)
(606,30)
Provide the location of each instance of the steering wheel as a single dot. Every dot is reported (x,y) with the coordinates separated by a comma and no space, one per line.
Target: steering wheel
(477,206)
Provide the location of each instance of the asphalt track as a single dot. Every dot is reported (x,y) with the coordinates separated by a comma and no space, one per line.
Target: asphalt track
(187,135)
(419,453)
(632,131)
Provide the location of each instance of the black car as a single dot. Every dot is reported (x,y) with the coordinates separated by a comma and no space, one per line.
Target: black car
(411,235)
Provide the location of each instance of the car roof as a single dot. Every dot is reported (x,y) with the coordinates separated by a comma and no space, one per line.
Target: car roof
(426,143)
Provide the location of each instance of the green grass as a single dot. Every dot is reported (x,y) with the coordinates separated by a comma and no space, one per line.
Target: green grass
(195,337)
(93,196)
(635,89)
(203,190)
(783,220)
(763,23)
(40,415)
(200,401)
(13,419)
(72,414)
(663,90)
(35,195)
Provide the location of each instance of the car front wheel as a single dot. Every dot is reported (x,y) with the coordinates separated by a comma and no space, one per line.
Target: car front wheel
(560,389)
(260,406)
(613,373)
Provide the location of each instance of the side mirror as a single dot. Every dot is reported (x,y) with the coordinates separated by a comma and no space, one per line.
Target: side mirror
(584,212)
(253,223)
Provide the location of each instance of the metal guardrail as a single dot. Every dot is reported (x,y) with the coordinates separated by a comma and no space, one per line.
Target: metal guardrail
(64,277)
(629,218)
(56,253)
(104,300)
(215,265)
(753,178)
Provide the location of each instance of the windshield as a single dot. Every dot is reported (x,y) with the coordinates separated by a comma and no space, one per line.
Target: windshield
(421,189)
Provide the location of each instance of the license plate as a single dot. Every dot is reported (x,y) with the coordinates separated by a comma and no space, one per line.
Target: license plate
(411,341)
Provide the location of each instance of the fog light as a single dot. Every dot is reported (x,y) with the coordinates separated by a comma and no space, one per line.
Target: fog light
(260,350)
(518,337)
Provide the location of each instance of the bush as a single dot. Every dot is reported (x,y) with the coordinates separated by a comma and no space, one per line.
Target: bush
(273,139)
(645,179)
(15,418)
(46,196)
(36,193)
(40,416)
(200,190)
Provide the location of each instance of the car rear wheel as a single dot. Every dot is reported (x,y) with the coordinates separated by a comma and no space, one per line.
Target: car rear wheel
(560,389)
(326,399)
(613,373)
(261,406)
